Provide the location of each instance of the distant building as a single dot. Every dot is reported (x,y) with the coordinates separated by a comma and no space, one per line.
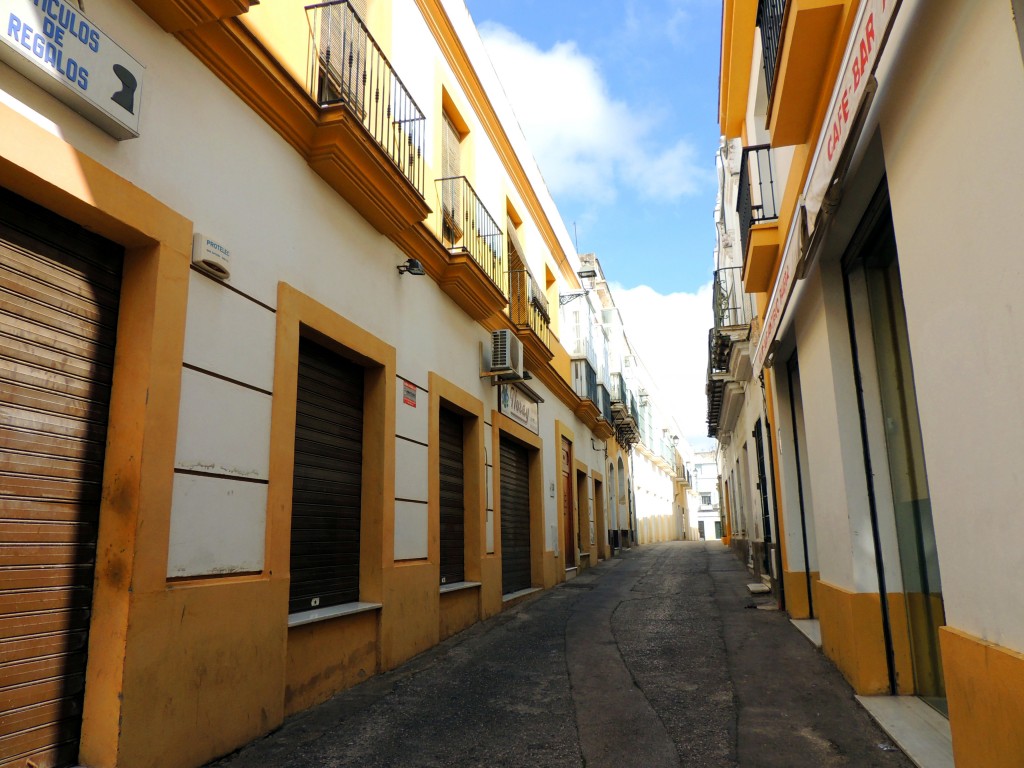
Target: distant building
(705,474)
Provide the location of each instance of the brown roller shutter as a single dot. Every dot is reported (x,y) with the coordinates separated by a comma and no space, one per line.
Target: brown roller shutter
(327,490)
(453,498)
(515,517)
(59,291)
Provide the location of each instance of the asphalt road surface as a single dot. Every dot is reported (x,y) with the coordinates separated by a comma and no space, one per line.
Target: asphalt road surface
(656,658)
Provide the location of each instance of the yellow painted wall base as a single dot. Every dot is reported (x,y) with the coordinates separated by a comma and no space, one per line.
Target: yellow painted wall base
(851,635)
(795,583)
(459,610)
(985,686)
(490,591)
(329,656)
(198,649)
(409,621)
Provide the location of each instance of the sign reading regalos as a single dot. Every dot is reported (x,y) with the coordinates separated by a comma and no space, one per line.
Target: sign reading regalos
(54,44)
(518,407)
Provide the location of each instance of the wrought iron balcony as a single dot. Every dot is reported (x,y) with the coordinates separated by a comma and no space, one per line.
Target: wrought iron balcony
(715,387)
(467,227)
(732,307)
(734,311)
(349,68)
(769,18)
(756,201)
(527,305)
(625,414)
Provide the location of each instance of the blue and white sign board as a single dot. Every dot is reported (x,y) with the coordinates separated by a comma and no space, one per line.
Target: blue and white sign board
(518,407)
(54,44)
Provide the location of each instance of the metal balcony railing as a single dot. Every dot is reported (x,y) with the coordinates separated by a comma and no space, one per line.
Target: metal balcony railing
(527,305)
(756,201)
(769,19)
(715,387)
(467,227)
(732,307)
(349,68)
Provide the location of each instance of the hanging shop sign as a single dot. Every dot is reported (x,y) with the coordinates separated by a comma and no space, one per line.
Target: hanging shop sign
(850,96)
(519,407)
(55,45)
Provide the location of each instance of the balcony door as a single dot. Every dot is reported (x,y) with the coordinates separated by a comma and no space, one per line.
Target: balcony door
(568,505)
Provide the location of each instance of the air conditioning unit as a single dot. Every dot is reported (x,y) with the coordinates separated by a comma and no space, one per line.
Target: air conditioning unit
(506,354)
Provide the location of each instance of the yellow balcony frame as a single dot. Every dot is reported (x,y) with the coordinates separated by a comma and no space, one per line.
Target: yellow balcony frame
(761,257)
(812,43)
(739,20)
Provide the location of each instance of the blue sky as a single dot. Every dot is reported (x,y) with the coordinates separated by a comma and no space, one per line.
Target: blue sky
(651,91)
(618,101)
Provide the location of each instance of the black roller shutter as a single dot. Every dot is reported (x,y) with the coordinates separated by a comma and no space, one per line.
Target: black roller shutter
(327,490)
(453,505)
(515,517)
(59,293)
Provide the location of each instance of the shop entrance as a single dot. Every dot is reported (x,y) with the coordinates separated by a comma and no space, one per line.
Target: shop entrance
(880,324)
(59,295)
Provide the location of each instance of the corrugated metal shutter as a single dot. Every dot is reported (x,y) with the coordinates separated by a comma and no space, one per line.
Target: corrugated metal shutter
(327,490)
(453,500)
(59,292)
(515,517)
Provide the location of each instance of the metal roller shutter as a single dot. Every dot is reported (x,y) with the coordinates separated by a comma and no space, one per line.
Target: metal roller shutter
(515,517)
(453,504)
(59,292)
(327,490)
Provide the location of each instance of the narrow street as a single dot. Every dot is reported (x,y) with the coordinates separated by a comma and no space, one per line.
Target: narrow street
(656,658)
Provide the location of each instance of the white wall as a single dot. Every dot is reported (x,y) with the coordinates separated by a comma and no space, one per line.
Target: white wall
(208,156)
(951,128)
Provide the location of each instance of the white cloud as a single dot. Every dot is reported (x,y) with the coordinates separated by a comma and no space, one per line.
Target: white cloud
(587,143)
(670,334)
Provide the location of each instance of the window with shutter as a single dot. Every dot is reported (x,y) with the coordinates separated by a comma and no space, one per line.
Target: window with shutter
(517,276)
(326,498)
(452,472)
(451,186)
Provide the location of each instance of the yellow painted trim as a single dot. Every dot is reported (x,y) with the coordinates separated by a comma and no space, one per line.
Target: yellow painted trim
(142,424)
(985,690)
(562,430)
(739,20)
(796,593)
(851,635)
(475,497)
(315,672)
(813,42)
(779,519)
(583,505)
(600,516)
(762,257)
(501,424)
